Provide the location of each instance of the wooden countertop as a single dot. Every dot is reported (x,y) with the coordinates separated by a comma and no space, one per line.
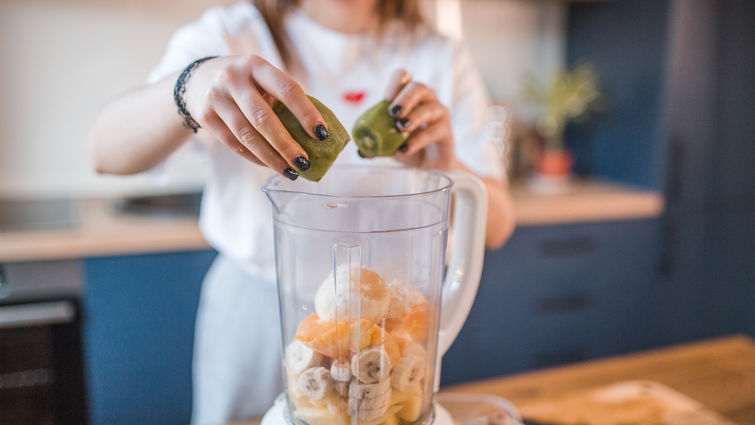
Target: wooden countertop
(718,373)
(588,200)
(102,231)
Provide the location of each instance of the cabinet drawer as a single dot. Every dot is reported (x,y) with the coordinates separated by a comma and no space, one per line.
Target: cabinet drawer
(559,294)
(585,250)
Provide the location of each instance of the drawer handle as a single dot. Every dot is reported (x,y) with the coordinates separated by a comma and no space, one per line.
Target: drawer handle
(564,303)
(568,247)
(39,314)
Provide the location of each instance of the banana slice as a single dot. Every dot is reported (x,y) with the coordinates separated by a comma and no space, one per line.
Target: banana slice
(412,409)
(371,365)
(342,388)
(340,371)
(369,414)
(407,373)
(359,390)
(335,403)
(398,397)
(413,349)
(369,407)
(315,383)
(300,357)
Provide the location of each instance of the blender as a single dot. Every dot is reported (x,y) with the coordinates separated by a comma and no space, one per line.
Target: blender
(368,303)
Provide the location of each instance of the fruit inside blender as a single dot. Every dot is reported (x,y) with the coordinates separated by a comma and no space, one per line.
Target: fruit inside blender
(361,358)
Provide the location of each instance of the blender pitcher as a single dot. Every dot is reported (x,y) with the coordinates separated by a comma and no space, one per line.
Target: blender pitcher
(366,313)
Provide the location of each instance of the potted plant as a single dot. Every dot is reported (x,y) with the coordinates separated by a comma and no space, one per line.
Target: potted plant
(571,95)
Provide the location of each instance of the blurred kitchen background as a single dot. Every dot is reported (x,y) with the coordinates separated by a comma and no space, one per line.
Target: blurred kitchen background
(641,236)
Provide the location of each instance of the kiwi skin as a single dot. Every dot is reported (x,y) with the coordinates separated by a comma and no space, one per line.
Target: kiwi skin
(375,132)
(321,153)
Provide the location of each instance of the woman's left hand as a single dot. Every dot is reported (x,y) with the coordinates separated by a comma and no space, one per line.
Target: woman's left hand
(418,112)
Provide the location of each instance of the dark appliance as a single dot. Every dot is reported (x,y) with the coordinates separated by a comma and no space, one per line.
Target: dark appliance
(41,363)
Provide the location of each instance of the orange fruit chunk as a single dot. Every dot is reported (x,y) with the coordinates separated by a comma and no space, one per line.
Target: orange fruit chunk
(415,321)
(388,342)
(407,311)
(337,341)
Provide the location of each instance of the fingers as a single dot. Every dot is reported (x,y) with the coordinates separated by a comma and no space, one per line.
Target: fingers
(256,111)
(423,114)
(222,133)
(420,139)
(282,87)
(409,97)
(396,82)
(245,133)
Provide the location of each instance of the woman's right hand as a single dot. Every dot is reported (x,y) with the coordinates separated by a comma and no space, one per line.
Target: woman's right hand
(232,98)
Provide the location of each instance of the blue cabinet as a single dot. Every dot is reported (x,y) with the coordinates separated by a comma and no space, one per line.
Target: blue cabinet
(139,330)
(557,294)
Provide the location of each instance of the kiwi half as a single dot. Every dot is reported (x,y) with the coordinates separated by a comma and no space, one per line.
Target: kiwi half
(375,132)
(321,153)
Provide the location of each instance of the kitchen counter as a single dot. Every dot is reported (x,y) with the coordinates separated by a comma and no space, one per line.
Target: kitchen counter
(103,231)
(718,373)
(588,200)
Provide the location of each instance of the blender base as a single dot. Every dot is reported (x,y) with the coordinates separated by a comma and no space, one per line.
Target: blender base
(277,414)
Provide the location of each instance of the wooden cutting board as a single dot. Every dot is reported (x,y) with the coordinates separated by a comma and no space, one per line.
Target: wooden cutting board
(622,403)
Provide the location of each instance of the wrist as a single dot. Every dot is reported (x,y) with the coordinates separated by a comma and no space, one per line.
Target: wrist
(179,93)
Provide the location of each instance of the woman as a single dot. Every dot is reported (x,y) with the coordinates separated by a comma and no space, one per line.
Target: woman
(349,54)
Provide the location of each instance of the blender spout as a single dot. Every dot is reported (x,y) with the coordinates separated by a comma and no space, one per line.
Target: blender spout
(283,199)
(277,198)
(285,195)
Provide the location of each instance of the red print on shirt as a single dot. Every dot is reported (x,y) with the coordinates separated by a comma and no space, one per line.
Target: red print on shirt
(354,96)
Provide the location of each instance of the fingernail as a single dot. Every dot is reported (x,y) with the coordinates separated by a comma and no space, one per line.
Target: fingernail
(301,163)
(321,132)
(291,174)
(404,147)
(403,122)
(361,155)
(395,110)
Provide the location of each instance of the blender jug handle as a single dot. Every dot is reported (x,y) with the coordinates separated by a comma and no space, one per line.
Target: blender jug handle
(465,263)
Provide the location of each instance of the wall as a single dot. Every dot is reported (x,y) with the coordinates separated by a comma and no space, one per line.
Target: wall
(510,39)
(63,61)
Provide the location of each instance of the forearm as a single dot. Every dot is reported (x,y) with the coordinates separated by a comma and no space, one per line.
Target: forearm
(137,131)
(500,220)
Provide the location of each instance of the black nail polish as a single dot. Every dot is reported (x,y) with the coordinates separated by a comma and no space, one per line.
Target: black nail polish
(321,132)
(301,163)
(395,110)
(291,174)
(403,122)
(404,148)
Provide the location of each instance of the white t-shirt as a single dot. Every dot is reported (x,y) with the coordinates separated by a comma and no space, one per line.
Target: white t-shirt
(348,73)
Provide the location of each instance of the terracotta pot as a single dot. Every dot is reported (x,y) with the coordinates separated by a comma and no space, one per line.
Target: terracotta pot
(553,163)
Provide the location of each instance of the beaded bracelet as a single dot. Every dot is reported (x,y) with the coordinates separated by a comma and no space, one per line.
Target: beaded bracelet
(178,94)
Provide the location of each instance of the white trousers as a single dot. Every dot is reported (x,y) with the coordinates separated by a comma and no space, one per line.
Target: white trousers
(237,360)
